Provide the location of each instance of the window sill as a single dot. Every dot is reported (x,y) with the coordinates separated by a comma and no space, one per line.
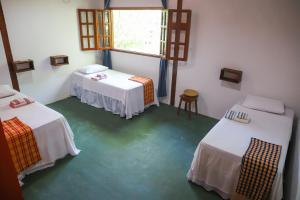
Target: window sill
(137,53)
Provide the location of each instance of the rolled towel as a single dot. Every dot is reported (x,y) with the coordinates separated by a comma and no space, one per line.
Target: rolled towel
(16,103)
(95,78)
(102,76)
(99,77)
(238,117)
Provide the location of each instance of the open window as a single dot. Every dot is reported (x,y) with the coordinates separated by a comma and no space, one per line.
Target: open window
(141,31)
(104,29)
(184,34)
(164,33)
(95,29)
(87,25)
(137,30)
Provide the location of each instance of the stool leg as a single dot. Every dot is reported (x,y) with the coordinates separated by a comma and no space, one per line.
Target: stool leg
(179,107)
(196,106)
(185,106)
(190,110)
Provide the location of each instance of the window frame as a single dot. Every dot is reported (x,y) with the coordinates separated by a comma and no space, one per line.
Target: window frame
(87,24)
(104,37)
(184,26)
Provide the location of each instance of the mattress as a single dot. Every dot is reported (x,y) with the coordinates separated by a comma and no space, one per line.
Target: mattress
(115,93)
(217,160)
(52,132)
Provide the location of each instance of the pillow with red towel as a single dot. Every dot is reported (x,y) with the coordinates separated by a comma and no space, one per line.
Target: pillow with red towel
(16,103)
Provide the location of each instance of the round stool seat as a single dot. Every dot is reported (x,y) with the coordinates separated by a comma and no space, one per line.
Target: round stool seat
(188,97)
(191,93)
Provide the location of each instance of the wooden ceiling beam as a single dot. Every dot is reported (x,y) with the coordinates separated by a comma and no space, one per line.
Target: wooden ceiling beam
(7,49)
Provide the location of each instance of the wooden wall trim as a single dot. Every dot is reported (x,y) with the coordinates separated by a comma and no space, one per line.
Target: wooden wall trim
(136,53)
(176,52)
(8,53)
(136,8)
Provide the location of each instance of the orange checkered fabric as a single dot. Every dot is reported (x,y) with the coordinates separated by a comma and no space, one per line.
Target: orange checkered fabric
(148,88)
(21,143)
(258,170)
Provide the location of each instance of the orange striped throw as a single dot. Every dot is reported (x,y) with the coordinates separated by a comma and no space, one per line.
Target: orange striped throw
(148,88)
(21,143)
(258,170)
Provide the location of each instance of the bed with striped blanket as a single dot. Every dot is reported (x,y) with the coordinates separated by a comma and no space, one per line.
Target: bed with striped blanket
(53,135)
(258,170)
(218,159)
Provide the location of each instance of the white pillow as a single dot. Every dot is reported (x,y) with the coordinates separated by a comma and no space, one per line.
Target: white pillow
(264,104)
(5,91)
(90,69)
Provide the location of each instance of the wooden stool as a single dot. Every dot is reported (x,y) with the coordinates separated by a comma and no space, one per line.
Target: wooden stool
(189,96)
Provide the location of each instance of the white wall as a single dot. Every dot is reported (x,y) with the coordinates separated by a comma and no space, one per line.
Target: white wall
(39,29)
(260,37)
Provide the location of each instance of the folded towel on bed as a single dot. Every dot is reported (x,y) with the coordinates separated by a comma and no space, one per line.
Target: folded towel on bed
(258,170)
(237,116)
(148,88)
(99,77)
(22,144)
(16,103)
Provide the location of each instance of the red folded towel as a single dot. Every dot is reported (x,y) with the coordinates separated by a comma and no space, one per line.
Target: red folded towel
(16,103)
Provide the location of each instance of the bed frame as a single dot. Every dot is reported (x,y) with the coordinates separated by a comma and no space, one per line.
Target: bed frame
(9,187)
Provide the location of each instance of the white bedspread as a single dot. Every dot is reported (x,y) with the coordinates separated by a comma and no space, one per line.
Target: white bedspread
(115,93)
(217,160)
(52,132)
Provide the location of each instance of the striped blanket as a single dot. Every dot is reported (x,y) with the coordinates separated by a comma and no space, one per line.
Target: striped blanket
(148,88)
(21,143)
(258,170)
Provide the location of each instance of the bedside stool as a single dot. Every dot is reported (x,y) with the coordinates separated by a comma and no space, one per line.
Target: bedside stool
(189,96)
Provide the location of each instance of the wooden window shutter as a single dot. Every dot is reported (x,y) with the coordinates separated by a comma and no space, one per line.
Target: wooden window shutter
(164,33)
(185,27)
(104,30)
(88,27)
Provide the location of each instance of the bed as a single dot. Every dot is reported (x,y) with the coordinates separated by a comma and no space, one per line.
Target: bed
(52,132)
(115,93)
(217,159)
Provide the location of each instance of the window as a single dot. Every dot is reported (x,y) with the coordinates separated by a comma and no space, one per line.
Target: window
(142,31)
(137,30)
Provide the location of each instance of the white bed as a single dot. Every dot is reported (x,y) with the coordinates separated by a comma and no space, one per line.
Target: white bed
(217,160)
(52,132)
(116,93)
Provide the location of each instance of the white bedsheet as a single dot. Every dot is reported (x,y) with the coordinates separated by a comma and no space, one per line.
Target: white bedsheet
(217,160)
(118,94)
(52,132)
